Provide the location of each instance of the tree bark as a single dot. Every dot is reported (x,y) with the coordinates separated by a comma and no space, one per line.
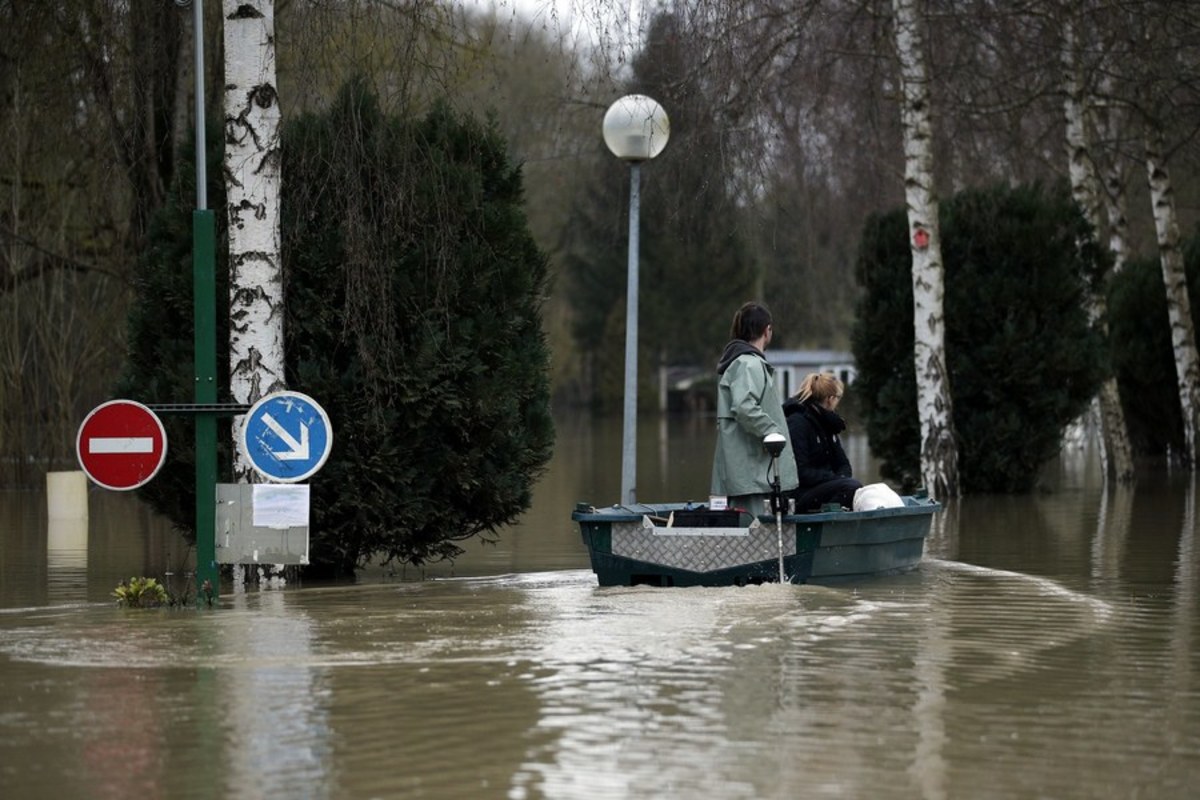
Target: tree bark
(1116,451)
(1179,312)
(1109,129)
(939,450)
(1118,237)
(252,179)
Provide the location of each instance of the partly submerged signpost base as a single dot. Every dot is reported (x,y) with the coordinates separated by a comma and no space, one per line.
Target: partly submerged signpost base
(681,544)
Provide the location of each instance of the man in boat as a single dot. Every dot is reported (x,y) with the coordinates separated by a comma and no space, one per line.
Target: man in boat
(749,408)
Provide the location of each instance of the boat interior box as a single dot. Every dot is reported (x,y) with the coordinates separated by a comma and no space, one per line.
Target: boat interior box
(707,518)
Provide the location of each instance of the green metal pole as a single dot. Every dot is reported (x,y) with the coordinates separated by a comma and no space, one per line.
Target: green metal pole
(205,290)
(204,304)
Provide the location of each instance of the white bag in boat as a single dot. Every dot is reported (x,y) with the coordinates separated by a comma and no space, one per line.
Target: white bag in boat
(876,495)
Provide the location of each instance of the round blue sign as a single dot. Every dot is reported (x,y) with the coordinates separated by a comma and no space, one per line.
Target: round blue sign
(286,437)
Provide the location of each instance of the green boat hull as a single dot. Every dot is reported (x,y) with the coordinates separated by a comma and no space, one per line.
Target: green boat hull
(643,544)
(863,544)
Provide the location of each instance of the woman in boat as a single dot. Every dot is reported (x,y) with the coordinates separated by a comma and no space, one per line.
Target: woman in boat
(823,472)
(749,408)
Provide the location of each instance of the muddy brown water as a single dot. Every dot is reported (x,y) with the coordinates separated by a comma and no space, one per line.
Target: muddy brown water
(1047,647)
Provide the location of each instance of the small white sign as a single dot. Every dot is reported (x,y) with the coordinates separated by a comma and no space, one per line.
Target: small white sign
(281,505)
(718,502)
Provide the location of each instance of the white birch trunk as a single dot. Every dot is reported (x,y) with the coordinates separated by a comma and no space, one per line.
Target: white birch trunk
(939,451)
(1116,453)
(252,178)
(1109,129)
(1118,235)
(1118,221)
(1179,312)
(1083,175)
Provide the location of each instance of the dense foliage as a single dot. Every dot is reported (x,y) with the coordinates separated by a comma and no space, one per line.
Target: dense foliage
(1022,357)
(413,293)
(1143,358)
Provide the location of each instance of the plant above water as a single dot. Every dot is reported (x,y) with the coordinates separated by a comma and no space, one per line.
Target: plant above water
(141,593)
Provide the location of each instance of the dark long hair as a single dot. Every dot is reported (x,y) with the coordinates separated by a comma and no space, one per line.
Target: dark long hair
(750,321)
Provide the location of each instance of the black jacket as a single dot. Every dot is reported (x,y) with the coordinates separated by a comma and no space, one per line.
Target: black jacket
(814,433)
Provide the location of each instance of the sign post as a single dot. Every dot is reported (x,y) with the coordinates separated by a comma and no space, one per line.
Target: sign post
(204,308)
(121,445)
(205,349)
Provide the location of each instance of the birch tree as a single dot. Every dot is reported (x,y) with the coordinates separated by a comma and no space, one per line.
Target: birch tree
(1179,312)
(1159,72)
(1116,451)
(1109,124)
(939,451)
(252,179)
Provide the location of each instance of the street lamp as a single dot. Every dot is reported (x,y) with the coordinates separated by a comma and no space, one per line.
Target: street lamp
(636,129)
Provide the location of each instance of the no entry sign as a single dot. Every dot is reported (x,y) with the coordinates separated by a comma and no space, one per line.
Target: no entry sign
(121,445)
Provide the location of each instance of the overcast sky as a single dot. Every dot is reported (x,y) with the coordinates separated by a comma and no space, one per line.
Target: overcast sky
(599,21)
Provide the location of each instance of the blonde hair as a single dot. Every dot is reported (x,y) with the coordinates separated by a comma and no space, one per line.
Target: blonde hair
(819,386)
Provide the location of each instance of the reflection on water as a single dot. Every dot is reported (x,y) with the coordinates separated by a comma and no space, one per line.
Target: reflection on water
(66,537)
(954,681)
(66,576)
(1046,648)
(272,708)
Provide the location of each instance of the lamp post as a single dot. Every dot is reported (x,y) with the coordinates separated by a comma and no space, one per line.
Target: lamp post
(636,129)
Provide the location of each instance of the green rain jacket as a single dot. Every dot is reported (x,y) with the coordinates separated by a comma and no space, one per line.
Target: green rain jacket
(748,408)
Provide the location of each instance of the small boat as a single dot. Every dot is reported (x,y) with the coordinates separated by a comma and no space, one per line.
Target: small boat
(685,544)
(863,544)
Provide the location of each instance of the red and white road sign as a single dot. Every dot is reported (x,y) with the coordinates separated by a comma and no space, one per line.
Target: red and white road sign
(121,444)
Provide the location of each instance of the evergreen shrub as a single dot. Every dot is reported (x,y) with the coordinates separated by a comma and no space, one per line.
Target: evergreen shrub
(413,316)
(1143,357)
(1023,359)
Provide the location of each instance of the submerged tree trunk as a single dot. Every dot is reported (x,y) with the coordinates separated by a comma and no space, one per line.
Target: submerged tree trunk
(1179,312)
(939,450)
(1113,198)
(1116,451)
(252,178)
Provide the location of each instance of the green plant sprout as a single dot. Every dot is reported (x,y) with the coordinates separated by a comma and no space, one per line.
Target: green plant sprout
(141,593)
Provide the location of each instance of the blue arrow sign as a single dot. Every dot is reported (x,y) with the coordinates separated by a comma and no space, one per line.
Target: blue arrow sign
(286,437)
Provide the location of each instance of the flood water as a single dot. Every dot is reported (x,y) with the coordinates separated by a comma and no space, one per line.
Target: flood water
(1047,647)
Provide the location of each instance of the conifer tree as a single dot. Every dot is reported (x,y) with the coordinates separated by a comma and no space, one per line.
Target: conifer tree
(413,291)
(1143,353)
(1023,356)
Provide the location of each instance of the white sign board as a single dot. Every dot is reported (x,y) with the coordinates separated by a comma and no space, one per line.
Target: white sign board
(280,505)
